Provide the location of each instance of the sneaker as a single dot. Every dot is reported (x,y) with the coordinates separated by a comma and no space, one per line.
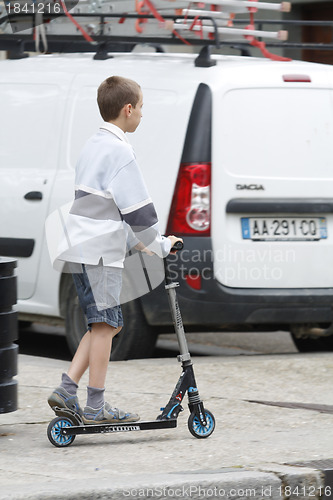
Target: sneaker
(107,415)
(62,399)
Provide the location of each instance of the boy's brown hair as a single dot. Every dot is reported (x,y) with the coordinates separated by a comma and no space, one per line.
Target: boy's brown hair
(114,93)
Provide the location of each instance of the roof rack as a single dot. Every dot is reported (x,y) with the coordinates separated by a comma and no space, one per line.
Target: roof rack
(207,29)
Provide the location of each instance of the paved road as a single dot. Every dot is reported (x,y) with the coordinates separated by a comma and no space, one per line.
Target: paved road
(273,408)
(47,341)
(257,433)
(235,343)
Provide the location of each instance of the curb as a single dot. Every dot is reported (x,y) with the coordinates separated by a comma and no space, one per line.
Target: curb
(271,481)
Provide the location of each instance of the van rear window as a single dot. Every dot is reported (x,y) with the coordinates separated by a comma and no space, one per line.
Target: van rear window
(277,133)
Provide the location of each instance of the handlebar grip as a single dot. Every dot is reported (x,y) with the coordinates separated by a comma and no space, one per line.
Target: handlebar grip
(179,245)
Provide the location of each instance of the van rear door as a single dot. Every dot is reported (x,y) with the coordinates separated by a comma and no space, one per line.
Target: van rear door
(272,223)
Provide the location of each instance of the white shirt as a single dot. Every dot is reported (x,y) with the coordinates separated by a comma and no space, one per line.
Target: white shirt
(110,127)
(112,210)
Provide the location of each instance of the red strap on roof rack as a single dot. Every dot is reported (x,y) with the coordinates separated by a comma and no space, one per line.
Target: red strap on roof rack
(158,16)
(262,47)
(79,27)
(199,23)
(139,8)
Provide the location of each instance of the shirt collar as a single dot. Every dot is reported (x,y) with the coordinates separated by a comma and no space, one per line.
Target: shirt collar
(110,127)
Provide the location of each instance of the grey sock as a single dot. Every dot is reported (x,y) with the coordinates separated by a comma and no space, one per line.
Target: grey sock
(68,384)
(95,397)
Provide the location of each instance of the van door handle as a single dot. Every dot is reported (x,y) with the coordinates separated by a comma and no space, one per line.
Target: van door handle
(34,196)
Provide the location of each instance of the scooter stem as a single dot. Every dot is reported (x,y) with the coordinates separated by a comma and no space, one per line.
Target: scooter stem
(170,287)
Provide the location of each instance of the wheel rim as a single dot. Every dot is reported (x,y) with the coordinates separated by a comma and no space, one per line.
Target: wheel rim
(200,429)
(56,434)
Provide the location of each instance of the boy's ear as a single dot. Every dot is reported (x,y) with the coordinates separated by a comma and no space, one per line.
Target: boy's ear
(128,109)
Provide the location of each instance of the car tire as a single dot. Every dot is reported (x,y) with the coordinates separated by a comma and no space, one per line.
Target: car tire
(23,325)
(321,344)
(75,321)
(136,340)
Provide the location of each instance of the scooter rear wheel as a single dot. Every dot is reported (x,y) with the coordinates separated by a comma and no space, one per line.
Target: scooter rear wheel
(197,429)
(55,435)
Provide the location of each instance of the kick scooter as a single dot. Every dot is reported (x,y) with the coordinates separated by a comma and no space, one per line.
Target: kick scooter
(201,422)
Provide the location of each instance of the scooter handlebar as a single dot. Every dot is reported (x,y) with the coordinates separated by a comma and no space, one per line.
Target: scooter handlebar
(179,245)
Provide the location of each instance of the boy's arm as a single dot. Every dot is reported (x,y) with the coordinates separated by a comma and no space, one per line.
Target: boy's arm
(131,196)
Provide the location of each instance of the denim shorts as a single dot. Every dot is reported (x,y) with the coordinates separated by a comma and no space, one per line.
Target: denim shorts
(98,289)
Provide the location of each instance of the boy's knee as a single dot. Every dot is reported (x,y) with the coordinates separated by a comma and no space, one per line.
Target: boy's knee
(116,330)
(104,329)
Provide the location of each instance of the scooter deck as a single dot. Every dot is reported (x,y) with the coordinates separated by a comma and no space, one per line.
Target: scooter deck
(118,427)
(79,427)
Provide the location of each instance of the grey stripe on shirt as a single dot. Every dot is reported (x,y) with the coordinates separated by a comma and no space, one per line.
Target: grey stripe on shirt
(142,218)
(94,207)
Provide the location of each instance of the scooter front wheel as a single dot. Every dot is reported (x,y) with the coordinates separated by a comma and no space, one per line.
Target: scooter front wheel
(55,435)
(197,429)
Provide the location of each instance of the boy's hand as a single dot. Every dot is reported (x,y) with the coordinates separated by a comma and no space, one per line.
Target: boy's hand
(140,246)
(174,240)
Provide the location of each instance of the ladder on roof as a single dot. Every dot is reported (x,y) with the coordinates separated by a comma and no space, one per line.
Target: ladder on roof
(86,26)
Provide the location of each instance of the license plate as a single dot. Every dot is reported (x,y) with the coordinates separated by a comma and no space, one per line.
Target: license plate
(284,228)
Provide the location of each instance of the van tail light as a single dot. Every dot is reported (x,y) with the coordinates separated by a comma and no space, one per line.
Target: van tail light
(194,281)
(190,212)
(191,204)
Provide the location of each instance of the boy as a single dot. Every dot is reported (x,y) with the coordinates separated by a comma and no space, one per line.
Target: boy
(111,210)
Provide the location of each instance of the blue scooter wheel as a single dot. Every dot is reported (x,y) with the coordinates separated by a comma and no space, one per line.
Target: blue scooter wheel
(55,435)
(197,429)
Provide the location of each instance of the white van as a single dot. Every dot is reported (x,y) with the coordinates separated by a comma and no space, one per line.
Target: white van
(238,160)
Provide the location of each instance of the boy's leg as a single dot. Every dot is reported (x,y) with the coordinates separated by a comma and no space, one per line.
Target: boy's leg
(80,362)
(97,410)
(93,351)
(101,336)
(65,396)
(99,356)
(94,348)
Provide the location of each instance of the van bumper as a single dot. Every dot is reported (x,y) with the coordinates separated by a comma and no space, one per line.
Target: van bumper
(221,307)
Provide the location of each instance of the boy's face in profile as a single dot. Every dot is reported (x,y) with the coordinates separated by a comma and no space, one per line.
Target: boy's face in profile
(135,116)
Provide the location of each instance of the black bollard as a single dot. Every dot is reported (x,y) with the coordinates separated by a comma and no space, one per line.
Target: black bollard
(8,334)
